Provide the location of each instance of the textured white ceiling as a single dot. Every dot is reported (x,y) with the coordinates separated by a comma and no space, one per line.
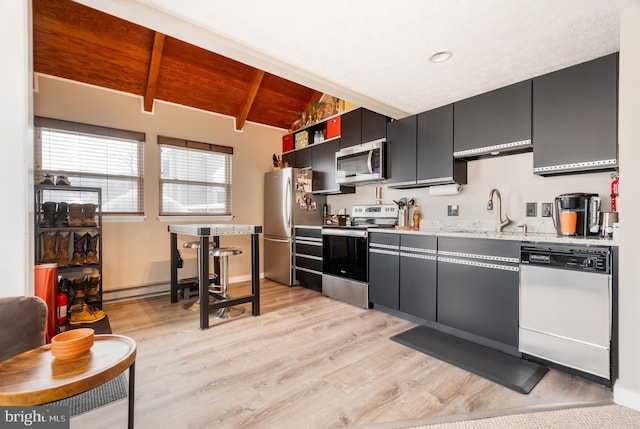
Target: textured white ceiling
(375,52)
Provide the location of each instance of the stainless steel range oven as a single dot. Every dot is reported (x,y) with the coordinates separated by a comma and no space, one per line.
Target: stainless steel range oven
(345,265)
(345,253)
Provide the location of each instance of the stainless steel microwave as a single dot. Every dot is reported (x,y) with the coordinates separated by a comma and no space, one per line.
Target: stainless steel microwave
(362,163)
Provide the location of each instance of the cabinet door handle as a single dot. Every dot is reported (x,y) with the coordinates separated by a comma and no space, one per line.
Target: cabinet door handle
(384,252)
(419,256)
(478,264)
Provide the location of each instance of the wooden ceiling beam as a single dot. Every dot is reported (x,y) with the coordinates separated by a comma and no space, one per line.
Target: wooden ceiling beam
(315,97)
(254,86)
(154,71)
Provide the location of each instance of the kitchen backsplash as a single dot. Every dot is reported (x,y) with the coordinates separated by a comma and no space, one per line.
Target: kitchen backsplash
(511,175)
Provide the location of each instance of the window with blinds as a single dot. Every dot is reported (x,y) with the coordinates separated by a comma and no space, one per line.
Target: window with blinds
(96,157)
(195,178)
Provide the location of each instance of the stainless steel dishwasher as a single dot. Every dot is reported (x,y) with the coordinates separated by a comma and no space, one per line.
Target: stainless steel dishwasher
(566,306)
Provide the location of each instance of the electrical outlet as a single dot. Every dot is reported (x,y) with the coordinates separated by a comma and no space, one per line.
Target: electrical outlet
(547,209)
(452,210)
(532,209)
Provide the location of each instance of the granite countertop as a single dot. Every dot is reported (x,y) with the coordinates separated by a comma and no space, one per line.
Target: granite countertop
(214,229)
(532,237)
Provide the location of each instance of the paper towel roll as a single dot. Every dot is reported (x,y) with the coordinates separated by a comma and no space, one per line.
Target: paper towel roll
(453,189)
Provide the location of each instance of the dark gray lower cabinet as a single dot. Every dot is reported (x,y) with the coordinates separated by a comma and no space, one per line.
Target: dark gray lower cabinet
(308,258)
(418,276)
(478,281)
(402,273)
(384,270)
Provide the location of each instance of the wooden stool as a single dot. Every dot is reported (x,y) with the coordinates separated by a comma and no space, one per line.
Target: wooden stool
(223,253)
(195,306)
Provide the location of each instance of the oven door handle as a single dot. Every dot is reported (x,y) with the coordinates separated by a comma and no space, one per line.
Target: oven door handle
(358,233)
(370,162)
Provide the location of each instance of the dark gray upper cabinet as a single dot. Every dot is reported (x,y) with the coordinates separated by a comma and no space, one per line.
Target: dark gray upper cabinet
(323,164)
(361,126)
(575,118)
(321,158)
(496,122)
(304,157)
(420,151)
(290,158)
(401,152)
(435,162)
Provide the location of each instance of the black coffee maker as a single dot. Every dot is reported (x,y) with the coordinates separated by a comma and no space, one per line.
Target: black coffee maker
(577,214)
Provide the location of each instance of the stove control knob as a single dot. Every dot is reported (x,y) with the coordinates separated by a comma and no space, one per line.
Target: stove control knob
(590,263)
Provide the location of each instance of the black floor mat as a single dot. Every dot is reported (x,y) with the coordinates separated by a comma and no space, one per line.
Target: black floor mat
(510,371)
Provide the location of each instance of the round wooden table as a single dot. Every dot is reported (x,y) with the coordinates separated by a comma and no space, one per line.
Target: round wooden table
(36,377)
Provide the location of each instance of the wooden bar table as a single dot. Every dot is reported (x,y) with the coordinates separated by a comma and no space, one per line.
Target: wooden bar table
(36,377)
(204,232)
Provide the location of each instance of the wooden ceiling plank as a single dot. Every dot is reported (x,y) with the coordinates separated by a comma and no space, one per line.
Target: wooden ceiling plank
(315,97)
(154,71)
(254,86)
(79,43)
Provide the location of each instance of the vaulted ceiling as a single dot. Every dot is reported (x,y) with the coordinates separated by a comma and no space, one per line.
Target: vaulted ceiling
(75,42)
(374,53)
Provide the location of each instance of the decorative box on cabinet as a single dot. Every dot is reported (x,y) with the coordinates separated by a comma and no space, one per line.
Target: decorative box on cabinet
(287,142)
(333,128)
(80,258)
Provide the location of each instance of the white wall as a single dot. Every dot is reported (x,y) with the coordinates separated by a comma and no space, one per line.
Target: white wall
(627,390)
(512,175)
(16,261)
(137,253)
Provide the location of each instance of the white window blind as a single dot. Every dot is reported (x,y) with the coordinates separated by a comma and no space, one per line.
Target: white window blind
(96,157)
(195,178)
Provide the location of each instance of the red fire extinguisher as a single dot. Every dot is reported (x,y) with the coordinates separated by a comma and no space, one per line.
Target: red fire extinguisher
(614,192)
(62,304)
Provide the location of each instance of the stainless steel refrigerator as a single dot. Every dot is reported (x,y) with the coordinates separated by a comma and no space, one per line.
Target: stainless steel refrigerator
(287,202)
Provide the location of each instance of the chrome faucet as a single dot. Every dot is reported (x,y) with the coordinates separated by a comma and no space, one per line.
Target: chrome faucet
(499,222)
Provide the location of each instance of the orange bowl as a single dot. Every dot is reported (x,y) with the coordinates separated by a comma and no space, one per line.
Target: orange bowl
(72,343)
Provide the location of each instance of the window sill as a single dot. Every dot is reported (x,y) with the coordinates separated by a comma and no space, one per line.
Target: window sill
(207,219)
(123,218)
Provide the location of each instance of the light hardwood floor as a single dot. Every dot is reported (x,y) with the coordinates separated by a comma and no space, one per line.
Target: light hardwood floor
(307,362)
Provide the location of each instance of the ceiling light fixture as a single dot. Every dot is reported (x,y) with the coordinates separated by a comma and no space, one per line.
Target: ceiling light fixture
(440,57)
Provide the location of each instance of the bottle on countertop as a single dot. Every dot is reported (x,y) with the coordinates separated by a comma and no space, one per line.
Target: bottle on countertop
(325,210)
(416,218)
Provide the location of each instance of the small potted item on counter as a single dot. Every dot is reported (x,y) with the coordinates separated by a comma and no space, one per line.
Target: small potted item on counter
(416,218)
